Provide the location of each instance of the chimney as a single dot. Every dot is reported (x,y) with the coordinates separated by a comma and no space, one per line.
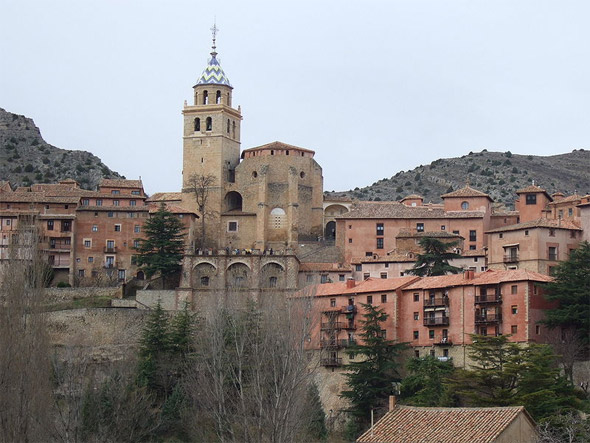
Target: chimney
(350,283)
(468,274)
(391,402)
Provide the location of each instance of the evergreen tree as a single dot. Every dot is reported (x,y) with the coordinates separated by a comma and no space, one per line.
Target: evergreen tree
(435,257)
(508,374)
(370,381)
(163,248)
(425,385)
(571,289)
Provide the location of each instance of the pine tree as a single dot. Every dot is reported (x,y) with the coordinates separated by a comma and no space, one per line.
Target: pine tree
(425,385)
(571,289)
(371,380)
(163,248)
(434,260)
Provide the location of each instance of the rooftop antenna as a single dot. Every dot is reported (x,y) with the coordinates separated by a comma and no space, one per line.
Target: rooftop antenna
(533,182)
(214,30)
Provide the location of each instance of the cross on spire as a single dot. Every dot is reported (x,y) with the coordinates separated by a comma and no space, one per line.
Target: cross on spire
(214,30)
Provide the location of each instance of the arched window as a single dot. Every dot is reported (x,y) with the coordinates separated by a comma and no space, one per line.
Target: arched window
(465,205)
(209,124)
(277,218)
(218,97)
(233,201)
(234,129)
(205,98)
(197,124)
(228,100)
(228,125)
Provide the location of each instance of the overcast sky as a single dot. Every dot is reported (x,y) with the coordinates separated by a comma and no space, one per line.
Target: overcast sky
(374,87)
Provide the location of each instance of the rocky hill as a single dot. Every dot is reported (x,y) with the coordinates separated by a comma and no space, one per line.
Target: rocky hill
(499,174)
(26,158)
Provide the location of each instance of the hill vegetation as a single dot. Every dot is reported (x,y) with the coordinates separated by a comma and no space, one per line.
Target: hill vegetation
(499,174)
(25,158)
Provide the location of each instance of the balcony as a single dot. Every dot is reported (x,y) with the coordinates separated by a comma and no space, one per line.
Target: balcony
(437,301)
(488,299)
(112,250)
(331,362)
(486,319)
(436,321)
(336,343)
(112,265)
(510,258)
(348,309)
(444,341)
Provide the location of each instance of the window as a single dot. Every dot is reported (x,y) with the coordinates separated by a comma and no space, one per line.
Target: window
(121,274)
(110,244)
(419,227)
(197,124)
(272,281)
(228,125)
(383,298)
(350,240)
(383,274)
(232,226)
(136,244)
(366,275)
(465,205)
(332,302)
(431,334)
(278,218)
(341,277)
(135,193)
(456,232)
(416,335)
(368,253)
(117,228)
(324,278)
(94,228)
(570,212)
(349,226)
(514,289)
(513,329)
(379,243)
(514,309)
(49,224)
(309,278)
(483,331)
(358,268)
(416,316)
(537,329)
(85,202)
(526,232)
(87,243)
(445,352)
(205,97)
(110,214)
(90,259)
(552,253)
(560,213)
(501,235)
(416,296)
(443,227)
(380,229)
(472,247)
(531,199)
(475,259)
(115,192)
(472,235)
(81,273)
(115,202)
(132,202)
(137,229)
(209,124)
(551,232)
(369,299)
(98,202)
(204,281)
(383,333)
(66,226)
(416,352)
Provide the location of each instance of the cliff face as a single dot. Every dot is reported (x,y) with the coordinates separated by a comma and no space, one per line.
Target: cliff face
(499,174)
(26,158)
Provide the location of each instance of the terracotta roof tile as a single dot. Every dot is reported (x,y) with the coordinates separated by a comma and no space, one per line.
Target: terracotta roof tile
(165,196)
(570,198)
(539,223)
(364,209)
(466,191)
(277,145)
(432,234)
(531,188)
(326,267)
(366,286)
(391,257)
(442,425)
(120,183)
(440,281)
(501,276)
(175,209)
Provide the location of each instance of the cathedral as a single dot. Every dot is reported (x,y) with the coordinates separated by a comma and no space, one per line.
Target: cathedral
(261,198)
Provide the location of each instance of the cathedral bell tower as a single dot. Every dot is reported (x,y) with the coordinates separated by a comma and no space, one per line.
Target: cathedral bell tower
(211,138)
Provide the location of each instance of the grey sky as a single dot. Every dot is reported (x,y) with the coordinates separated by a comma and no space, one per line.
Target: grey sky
(373,87)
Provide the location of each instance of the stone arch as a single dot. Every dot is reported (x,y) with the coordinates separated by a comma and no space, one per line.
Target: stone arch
(237,276)
(140,275)
(218,97)
(197,123)
(233,201)
(272,275)
(203,275)
(330,231)
(205,97)
(334,210)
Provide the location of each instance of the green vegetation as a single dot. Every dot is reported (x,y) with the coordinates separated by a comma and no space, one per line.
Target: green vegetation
(434,260)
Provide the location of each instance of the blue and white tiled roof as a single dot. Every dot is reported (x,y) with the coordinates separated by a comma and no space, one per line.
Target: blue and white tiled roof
(213,74)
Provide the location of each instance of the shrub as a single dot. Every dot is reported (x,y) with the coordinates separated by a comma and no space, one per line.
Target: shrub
(29,168)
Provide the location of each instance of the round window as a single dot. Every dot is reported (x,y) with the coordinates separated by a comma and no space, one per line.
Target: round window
(302,174)
(254,174)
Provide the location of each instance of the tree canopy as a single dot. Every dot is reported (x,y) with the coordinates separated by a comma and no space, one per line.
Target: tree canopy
(370,380)
(435,257)
(163,247)
(424,385)
(571,288)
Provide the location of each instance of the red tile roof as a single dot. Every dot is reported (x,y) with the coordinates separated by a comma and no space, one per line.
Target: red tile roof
(366,286)
(440,281)
(120,183)
(278,146)
(466,191)
(326,267)
(443,425)
(165,196)
(539,223)
(364,209)
(493,276)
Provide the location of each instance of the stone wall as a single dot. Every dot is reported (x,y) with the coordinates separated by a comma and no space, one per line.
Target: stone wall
(150,298)
(63,294)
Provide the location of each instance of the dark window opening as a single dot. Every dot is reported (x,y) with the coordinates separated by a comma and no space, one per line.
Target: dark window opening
(197,124)
(209,124)
(380,229)
(218,97)
(205,98)
(531,199)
